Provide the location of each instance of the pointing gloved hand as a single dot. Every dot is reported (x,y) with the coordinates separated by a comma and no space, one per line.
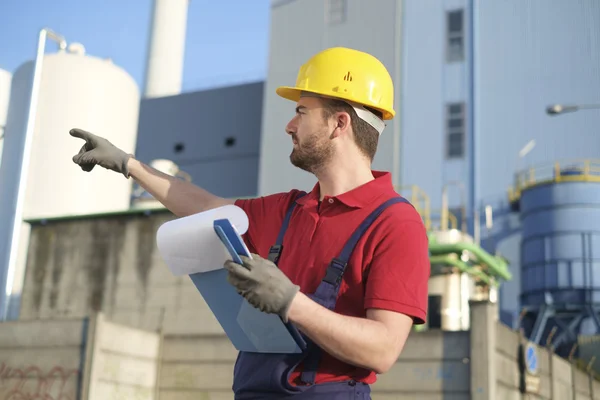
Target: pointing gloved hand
(263,284)
(99,151)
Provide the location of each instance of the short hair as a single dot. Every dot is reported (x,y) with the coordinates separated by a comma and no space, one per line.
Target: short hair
(365,136)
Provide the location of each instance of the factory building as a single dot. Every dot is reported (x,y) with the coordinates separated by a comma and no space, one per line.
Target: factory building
(478,76)
(472,80)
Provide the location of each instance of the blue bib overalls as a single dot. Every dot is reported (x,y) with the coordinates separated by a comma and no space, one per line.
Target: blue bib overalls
(266,376)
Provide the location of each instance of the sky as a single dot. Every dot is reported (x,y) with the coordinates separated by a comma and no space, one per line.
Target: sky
(227,40)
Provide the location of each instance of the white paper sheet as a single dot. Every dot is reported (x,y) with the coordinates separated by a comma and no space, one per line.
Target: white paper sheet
(190,244)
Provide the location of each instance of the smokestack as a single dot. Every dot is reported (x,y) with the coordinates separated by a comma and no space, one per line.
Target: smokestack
(5,83)
(164,66)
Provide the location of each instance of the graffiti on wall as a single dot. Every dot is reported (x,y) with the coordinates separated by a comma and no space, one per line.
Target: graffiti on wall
(32,383)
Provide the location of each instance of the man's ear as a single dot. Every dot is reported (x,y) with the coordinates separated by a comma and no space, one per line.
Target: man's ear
(342,123)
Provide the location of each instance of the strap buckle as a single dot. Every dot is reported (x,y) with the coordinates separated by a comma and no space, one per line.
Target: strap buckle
(335,271)
(274,253)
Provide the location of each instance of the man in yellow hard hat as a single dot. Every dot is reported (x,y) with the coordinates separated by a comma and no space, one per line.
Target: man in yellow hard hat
(346,263)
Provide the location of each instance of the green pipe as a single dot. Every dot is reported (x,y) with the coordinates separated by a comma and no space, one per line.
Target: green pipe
(496,264)
(451,260)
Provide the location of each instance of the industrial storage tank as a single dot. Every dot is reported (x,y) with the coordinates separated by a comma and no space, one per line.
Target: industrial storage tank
(38,179)
(560,251)
(5,80)
(76,90)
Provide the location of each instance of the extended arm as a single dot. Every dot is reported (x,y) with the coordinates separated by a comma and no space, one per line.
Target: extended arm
(180,197)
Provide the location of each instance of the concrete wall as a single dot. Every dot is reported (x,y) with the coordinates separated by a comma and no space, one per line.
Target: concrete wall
(197,367)
(77,358)
(556,378)
(108,360)
(43,359)
(123,363)
(79,266)
(434,365)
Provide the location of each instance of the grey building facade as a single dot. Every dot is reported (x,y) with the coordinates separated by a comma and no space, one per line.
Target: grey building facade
(213,135)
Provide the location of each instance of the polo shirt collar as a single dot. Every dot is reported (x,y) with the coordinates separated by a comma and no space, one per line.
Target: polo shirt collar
(359,197)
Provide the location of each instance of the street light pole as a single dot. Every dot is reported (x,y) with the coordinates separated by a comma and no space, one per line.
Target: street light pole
(557,109)
(13,198)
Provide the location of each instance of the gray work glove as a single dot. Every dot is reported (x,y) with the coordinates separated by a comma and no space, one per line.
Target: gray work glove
(100,151)
(263,284)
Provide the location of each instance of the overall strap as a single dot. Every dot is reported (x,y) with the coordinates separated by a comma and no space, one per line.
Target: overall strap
(275,250)
(327,291)
(336,268)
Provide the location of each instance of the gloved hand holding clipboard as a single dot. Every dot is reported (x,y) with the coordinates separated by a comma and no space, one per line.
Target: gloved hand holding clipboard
(265,328)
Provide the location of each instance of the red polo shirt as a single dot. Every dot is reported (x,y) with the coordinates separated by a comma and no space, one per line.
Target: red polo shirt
(388,269)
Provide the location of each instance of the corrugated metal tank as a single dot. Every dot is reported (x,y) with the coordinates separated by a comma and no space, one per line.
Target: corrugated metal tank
(560,254)
(5,80)
(76,91)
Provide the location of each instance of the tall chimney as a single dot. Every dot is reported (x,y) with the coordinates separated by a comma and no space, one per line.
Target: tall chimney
(164,66)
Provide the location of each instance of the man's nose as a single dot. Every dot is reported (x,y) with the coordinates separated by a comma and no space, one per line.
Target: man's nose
(290,128)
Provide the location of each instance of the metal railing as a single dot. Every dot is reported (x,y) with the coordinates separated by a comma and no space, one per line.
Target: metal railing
(437,217)
(419,199)
(564,171)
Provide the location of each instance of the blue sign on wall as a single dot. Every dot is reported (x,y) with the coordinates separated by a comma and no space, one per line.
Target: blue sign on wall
(531,359)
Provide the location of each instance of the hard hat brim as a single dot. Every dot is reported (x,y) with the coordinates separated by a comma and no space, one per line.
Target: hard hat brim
(289,93)
(294,94)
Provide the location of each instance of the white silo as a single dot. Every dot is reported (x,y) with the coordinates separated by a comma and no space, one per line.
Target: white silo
(166,48)
(5,79)
(80,91)
(38,179)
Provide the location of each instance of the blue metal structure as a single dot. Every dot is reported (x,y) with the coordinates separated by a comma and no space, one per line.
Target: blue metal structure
(517,58)
(560,252)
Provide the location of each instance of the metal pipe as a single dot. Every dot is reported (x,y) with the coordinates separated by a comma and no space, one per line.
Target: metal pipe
(398,68)
(476,227)
(10,257)
(465,291)
(444,216)
(62,43)
(444,221)
(496,266)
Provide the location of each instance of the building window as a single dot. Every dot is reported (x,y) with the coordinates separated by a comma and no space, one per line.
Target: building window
(455,36)
(455,130)
(336,11)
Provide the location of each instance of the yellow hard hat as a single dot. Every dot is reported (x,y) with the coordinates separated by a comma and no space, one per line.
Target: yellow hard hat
(346,74)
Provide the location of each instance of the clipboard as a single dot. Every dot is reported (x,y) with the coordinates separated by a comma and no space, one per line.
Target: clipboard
(248,328)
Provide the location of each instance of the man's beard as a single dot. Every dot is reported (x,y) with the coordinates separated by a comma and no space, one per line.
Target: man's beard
(313,153)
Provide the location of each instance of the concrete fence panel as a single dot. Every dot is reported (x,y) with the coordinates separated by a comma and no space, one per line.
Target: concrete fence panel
(124,362)
(197,367)
(562,379)
(43,359)
(432,364)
